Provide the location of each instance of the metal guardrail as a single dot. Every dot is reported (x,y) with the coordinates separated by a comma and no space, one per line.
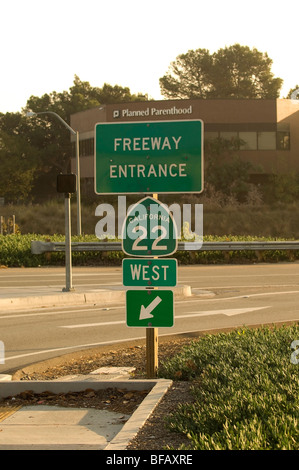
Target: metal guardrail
(39,247)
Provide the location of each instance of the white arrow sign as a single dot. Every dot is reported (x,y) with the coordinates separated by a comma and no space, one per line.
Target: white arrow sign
(145,312)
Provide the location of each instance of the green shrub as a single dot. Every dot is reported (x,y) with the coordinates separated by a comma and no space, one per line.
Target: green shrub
(245,389)
(15,250)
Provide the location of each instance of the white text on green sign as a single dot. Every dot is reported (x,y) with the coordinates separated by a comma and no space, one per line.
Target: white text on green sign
(149,230)
(149,272)
(149,157)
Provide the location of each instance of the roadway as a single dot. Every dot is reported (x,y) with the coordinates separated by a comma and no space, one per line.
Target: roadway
(223,296)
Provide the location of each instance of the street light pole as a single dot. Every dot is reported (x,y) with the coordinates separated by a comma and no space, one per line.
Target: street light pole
(75,133)
(68,245)
(78,185)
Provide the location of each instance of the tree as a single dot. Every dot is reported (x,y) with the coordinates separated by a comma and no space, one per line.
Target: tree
(50,138)
(116,94)
(293,93)
(34,150)
(189,76)
(19,161)
(233,72)
(226,174)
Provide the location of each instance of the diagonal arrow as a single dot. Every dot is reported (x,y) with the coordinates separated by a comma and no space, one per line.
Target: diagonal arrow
(229,312)
(145,312)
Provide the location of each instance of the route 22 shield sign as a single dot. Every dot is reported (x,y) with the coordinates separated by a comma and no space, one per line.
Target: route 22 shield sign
(149,230)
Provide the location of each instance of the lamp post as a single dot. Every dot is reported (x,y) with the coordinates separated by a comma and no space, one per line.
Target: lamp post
(76,133)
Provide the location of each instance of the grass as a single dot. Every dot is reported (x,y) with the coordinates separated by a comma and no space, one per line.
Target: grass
(15,251)
(277,220)
(245,389)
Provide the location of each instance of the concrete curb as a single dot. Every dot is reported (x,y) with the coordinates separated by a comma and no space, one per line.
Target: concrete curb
(104,297)
(14,387)
(5,377)
(157,389)
(139,417)
(61,299)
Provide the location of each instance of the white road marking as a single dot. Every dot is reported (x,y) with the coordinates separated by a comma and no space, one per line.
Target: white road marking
(80,346)
(104,343)
(88,309)
(244,296)
(92,308)
(229,312)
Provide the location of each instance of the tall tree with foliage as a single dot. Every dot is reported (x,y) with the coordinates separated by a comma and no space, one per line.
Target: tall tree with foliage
(34,150)
(52,138)
(225,172)
(232,72)
(293,93)
(189,76)
(19,160)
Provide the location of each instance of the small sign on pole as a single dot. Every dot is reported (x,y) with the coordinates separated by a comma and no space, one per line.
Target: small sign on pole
(149,230)
(149,233)
(149,272)
(149,308)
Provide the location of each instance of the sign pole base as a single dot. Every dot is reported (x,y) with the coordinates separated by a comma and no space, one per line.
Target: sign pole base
(151,352)
(152,345)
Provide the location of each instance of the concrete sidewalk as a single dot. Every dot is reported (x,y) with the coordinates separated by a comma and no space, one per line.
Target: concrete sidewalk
(42,427)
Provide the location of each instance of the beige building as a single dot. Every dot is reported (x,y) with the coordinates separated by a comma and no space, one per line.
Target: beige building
(267,129)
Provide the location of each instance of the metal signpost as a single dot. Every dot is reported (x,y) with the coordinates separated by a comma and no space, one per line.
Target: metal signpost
(149,232)
(149,158)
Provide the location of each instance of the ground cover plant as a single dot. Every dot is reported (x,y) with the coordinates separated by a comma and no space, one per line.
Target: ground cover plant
(15,251)
(245,388)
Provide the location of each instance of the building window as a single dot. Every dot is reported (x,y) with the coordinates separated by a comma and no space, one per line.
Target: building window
(86,147)
(283,140)
(266,140)
(248,140)
(211,136)
(230,136)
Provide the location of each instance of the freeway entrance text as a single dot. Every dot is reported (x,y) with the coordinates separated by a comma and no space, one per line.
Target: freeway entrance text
(149,157)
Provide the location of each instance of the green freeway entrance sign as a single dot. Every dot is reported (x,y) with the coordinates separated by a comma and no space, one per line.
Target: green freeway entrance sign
(149,230)
(149,157)
(150,308)
(149,272)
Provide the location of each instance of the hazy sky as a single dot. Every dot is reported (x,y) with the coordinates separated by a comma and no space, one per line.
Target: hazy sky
(132,42)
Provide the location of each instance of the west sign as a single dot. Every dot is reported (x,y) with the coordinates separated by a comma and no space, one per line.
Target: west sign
(149,272)
(149,157)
